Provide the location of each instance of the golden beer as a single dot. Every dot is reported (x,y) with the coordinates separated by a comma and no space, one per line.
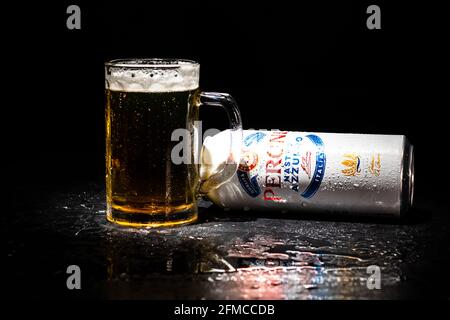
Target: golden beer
(142,181)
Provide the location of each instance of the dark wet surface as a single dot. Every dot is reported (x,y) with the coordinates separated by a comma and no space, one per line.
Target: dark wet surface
(226,255)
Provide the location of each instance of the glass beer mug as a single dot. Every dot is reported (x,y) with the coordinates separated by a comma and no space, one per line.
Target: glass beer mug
(147,100)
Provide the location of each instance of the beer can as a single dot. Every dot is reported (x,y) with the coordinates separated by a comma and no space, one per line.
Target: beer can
(367,174)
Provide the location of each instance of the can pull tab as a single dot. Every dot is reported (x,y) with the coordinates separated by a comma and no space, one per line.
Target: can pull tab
(220,160)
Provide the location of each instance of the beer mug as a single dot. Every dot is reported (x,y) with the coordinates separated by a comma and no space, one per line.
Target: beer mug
(147,100)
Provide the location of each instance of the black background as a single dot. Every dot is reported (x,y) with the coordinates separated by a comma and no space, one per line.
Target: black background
(309,66)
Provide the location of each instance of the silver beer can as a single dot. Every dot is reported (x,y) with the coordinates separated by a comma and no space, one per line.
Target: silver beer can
(367,174)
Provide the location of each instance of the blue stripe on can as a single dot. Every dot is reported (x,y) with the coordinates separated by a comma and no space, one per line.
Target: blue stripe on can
(319,171)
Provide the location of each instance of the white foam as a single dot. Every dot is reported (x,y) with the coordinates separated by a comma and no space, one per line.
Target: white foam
(182,76)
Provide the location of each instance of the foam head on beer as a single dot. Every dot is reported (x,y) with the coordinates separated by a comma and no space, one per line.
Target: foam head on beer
(152,75)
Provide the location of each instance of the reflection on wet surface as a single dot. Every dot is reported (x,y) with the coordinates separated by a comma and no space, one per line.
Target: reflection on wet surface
(222,257)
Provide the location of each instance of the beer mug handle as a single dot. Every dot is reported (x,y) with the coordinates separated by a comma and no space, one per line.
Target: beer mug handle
(212,179)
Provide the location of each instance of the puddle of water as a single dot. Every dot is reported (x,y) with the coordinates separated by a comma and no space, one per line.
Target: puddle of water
(305,262)
(266,268)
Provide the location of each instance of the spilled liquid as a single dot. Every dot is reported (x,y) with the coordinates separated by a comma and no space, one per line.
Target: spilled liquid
(224,256)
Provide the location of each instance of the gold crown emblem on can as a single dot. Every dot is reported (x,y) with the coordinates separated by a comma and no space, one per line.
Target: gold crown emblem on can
(352,164)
